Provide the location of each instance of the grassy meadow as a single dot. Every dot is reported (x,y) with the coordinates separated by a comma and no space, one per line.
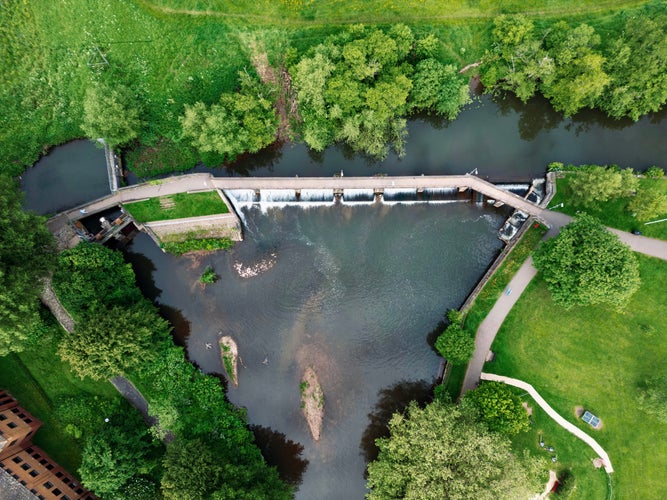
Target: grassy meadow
(37,378)
(614,213)
(177,206)
(596,358)
(176,52)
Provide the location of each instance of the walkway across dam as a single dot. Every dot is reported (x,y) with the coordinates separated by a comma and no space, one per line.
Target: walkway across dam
(207,182)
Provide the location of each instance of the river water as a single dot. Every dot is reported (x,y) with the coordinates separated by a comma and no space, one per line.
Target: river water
(353,291)
(357,291)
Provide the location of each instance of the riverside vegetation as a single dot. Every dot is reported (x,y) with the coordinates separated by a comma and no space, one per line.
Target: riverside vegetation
(125,71)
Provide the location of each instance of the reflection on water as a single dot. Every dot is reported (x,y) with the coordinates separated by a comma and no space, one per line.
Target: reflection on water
(394,399)
(354,292)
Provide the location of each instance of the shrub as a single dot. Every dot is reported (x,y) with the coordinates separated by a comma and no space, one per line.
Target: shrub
(654,172)
(455,344)
(197,245)
(208,277)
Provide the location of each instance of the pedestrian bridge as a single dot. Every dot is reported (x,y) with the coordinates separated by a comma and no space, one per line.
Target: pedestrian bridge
(207,182)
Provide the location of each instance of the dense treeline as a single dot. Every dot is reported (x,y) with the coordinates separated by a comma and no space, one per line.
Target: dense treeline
(211,451)
(170,93)
(572,66)
(358,86)
(27,256)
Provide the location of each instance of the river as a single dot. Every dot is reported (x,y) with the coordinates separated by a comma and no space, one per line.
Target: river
(356,291)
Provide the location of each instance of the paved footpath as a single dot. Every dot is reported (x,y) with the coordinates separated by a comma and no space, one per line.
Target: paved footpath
(573,429)
(486,333)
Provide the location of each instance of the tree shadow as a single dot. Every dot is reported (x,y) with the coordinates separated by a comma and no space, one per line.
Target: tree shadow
(179,323)
(282,453)
(392,400)
(143,269)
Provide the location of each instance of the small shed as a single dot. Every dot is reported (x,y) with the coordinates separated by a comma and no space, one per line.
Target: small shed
(591,419)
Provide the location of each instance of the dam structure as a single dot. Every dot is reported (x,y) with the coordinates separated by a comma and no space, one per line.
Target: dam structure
(323,189)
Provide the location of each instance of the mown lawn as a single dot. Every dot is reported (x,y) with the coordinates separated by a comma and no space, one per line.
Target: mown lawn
(614,213)
(596,357)
(177,206)
(570,452)
(38,378)
(489,294)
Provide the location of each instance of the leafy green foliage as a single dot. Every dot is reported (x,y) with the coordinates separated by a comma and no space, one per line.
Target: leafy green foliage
(111,113)
(648,203)
(499,408)
(357,86)
(208,276)
(594,184)
(241,122)
(441,451)
(455,344)
(438,88)
(578,78)
(635,62)
(27,255)
(517,61)
(89,274)
(196,245)
(652,398)
(112,341)
(654,172)
(586,264)
(117,452)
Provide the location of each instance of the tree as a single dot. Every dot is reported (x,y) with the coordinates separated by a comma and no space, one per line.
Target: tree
(442,452)
(111,113)
(91,274)
(635,63)
(438,88)
(115,454)
(27,256)
(648,203)
(240,122)
(578,78)
(191,470)
(594,184)
(499,408)
(586,264)
(111,341)
(517,61)
(455,344)
(652,398)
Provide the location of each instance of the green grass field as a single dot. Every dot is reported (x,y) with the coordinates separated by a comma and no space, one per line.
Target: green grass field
(37,378)
(613,213)
(176,52)
(177,206)
(595,357)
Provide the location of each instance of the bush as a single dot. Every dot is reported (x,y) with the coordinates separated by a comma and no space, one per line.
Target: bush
(197,245)
(208,277)
(654,172)
(455,344)
(499,408)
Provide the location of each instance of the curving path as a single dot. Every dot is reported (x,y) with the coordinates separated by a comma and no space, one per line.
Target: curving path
(568,426)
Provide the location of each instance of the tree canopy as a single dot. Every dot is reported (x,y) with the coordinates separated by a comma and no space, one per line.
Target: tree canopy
(240,122)
(593,184)
(499,408)
(442,452)
(112,341)
(586,264)
(27,255)
(455,344)
(648,203)
(111,113)
(356,87)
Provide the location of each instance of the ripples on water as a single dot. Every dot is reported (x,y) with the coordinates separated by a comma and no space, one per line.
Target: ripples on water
(354,292)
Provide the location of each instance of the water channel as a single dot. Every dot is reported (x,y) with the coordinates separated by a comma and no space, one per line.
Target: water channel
(355,290)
